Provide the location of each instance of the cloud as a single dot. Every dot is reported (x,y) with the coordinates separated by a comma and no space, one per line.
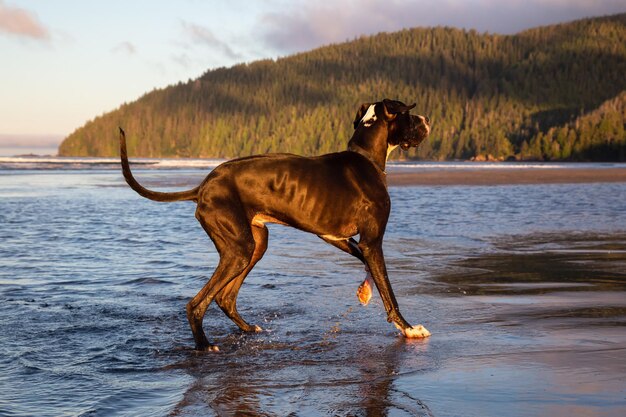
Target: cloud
(301,25)
(21,23)
(125,47)
(183,60)
(203,36)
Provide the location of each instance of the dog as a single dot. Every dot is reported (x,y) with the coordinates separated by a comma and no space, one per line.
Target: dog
(336,196)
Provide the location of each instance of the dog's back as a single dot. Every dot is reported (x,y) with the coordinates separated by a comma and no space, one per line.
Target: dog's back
(322,195)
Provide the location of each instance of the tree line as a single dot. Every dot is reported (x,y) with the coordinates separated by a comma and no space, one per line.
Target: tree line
(550,93)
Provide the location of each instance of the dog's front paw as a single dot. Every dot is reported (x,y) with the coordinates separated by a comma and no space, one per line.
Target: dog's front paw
(415,332)
(364,293)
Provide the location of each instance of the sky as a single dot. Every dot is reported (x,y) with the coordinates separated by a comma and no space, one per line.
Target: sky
(65,62)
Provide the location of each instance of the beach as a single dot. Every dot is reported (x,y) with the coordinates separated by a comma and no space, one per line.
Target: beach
(511,176)
(418,173)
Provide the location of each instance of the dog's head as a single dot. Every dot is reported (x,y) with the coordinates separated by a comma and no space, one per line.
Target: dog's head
(404,129)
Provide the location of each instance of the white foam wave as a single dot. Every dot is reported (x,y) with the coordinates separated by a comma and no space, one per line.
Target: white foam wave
(47,162)
(54,162)
(188,163)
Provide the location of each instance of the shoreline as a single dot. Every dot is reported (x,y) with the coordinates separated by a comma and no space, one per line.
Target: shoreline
(433,177)
(506,176)
(438,174)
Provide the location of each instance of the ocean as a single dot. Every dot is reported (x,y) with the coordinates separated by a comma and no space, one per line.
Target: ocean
(522,286)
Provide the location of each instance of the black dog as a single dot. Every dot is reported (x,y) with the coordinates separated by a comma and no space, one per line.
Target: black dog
(335,196)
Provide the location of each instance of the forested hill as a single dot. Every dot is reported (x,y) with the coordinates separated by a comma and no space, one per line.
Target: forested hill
(553,92)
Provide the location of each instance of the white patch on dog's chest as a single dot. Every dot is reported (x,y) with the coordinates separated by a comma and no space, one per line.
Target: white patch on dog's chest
(260,219)
(370,116)
(390,148)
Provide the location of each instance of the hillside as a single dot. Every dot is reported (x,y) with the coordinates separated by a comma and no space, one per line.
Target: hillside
(598,135)
(534,95)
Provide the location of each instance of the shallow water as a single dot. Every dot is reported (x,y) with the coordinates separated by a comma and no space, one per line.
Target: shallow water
(523,288)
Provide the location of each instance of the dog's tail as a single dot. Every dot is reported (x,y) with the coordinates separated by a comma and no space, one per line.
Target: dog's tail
(144,192)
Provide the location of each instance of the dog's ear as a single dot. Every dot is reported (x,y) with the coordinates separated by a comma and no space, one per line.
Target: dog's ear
(360,113)
(393,107)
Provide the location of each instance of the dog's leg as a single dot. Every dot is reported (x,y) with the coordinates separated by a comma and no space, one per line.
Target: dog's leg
(350,246)
(231,233)
(227,298)
(373,254)
(228,268)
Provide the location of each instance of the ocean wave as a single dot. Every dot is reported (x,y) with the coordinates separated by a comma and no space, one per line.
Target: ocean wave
(93,163)
(86,163)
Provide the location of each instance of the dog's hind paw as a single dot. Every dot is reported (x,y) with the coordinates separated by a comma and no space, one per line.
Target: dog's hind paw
(248,328)
(209,348)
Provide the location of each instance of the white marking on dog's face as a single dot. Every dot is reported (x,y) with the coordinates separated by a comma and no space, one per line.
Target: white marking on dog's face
(370,116)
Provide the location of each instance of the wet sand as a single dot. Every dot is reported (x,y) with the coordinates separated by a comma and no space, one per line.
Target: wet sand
(503,176)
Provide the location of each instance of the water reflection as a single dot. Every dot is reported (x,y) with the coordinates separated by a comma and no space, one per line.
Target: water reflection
(511,338)
(351,375)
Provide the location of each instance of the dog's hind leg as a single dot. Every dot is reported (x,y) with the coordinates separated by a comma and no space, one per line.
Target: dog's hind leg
(227,298)
(232,236)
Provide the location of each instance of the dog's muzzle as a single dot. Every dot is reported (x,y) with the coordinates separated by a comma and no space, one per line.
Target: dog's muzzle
(418,130)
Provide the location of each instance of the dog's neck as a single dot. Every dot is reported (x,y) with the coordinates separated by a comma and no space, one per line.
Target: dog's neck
(373,144)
